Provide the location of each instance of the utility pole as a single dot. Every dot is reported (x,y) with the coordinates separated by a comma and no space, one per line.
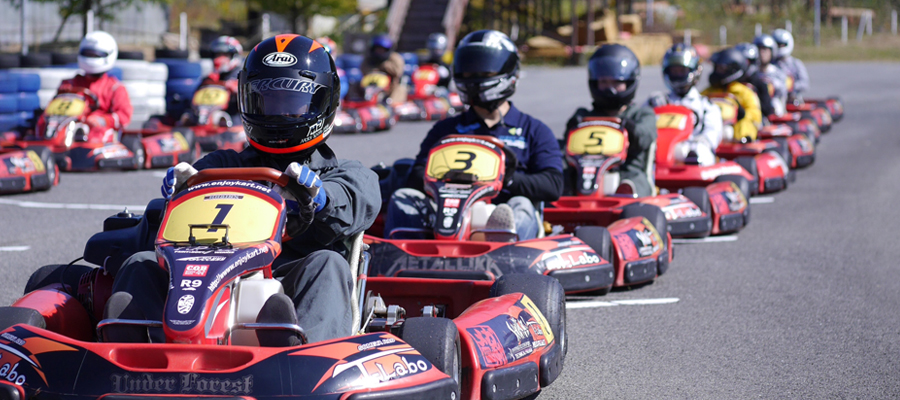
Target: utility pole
(817,23)
(24,27)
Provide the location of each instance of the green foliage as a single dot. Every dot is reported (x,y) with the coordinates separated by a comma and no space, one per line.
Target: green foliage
(295,9)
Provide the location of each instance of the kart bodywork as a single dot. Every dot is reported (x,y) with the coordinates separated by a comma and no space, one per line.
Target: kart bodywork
(363,109)
(27,170)
(218,239)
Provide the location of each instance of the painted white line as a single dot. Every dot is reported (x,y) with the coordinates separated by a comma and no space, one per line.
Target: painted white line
(71,206)
(708,239)
(159,174)
(15,248)
(615,303)
(762,200)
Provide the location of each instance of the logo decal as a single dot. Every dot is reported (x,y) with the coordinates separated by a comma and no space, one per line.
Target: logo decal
(195,269)
(279,59)
(185,304)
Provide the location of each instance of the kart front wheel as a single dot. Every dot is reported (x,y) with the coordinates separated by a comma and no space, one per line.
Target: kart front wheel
(437,339)
(600,241)
(133,143)
(700,197)
(549,297)
(656,217)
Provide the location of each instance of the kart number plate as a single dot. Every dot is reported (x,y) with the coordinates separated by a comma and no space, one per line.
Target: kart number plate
(376,79)
(596,140)
(251,219)
(671,121)
(467,158)
(66,106)
(211,96)
(728,107)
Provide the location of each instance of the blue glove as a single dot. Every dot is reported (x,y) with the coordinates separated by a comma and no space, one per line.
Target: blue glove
(176,176)
(168,186)
(309,180)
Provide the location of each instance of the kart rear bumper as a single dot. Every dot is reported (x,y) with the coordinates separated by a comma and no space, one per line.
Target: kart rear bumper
(13,184)
(440,389)
(690,227)
(585,279)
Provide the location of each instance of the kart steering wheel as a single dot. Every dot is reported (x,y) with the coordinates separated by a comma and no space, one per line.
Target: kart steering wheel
(245,174)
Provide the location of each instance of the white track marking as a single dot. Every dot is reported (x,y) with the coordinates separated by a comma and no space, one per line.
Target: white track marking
(762,200)
(708,239)
(15,248)
(159,174)
(71,206)
(615,303)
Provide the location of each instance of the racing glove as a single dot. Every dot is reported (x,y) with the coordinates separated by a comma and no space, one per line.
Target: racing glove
(309,181)
(512,164)
(629,126)
(176,177)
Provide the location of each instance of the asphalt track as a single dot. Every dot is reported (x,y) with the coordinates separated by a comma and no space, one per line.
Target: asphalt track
(806,304)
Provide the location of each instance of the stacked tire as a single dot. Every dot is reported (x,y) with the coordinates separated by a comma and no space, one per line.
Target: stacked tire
(18,100)
(183,79)
(146,86)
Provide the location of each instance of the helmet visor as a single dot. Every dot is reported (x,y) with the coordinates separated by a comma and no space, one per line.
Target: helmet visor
(284,99)
(616,68)
(92,53)
(483,61)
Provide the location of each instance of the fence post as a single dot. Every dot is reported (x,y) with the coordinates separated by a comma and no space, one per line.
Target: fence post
(649,13)
(89,21)
(844,29)
(788,26)
(758,30)
(590,23)
(183,34)
(265,27)
(574,25)
(894,22)
(862,28)
(817,23)
(24,27)
(869,23)
(723,35)
(687,37)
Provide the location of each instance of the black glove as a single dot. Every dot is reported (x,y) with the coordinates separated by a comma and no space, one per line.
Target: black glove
(512,164)
(740,112)
(629,126)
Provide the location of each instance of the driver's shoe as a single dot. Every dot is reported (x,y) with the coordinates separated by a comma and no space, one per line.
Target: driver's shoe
(502,219)
(121,306)
(278,309)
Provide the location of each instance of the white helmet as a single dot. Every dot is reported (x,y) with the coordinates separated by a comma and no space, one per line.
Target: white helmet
(97,53)
(785,43)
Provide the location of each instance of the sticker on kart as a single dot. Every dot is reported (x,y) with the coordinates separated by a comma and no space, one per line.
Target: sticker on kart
(66,105)
(255,216)
(596,140)
(477,160)
(211,96)
(512,336)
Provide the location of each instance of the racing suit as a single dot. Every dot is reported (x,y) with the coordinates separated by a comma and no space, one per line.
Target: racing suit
(707,132)
(638,166)
(538,175)
(393,66)
(795,69)
(775,81)
(312,264)
(748,126)
(113,109)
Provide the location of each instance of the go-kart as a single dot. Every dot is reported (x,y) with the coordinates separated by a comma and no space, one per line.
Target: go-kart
(798,150)
(593,150)
(218,239)
(432,101)
(823,111)
(363,109)
(463,173)
(31,169)
(208,122)
(63,129)
(728,183)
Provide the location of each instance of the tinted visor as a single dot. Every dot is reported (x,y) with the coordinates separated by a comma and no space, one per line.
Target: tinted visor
(483,61)
(221,48)
(617,68)
(284,99)
(92,53)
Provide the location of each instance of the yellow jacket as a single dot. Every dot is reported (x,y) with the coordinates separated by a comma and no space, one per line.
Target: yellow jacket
(748,126)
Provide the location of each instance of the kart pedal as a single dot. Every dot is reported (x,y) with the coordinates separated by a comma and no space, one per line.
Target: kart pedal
(279,309)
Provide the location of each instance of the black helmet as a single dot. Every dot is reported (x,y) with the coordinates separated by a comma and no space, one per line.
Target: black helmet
(380,48)
(681,55)
(436,45)
(618,63)
(728,66)
(288,93)
(751,54)
(486,69)
(766,41)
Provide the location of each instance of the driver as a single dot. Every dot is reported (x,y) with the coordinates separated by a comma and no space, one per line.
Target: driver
(437,49)
(774,78)
(614,72)
(96,56)
(681,72)
(287,125)
(227,58)
(486,70)
(729,66)
(382,58)
(791,66)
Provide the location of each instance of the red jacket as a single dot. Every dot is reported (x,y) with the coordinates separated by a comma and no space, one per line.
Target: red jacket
(113,103)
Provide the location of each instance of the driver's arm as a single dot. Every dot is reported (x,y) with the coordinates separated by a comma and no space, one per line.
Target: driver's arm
(801,83)
(354,200)
(542,178)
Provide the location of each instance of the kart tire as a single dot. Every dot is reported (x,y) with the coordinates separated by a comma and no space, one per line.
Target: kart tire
(700,197)
(437,339)
(63,58)
(8,60)
(156,89)
(45,96)
(137,89)
(50,166)
(600,241)
(9,103)
(172,54)
(133,143)
(550,298)
(156,105)
(133,70)
(656,217)
(749,164)
(10,316)
(206,66)
(8,122)
(743,184)
(27,102)
(130,55)
(9,83)
(784,150)
(35,60)
(68,275)
(192,144)
(157,72)
(29,82)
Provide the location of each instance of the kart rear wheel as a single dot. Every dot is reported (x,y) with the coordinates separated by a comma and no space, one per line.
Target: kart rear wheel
(749,164)
(600,240)
(193,146)
(49,160)
(744,185)
(437,339)
(133,143)
(656,217)
(549,297)
(700,197)
(784,150)
(10,316)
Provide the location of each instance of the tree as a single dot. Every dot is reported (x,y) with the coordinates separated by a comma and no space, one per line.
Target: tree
(103,9)
(294,9)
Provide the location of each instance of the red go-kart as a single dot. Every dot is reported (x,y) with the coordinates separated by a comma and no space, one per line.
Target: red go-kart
(208,123)
(433,101)
(413,338)
(464,173)
(593,149)
(363,109)
(31,169)
(728,183)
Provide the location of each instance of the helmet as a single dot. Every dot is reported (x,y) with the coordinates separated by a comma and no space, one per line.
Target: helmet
(486,69)
(226,52)
(751,54)
(97,53)
(728,66)
(785,42)
(329,45)
(437,44)
(766,41)
(616,62)
(288,93)
(676,79)
(380,48)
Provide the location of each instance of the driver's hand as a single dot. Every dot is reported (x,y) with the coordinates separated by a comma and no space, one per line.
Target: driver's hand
(512,164)
(176,176)
(310,181)
(96,121)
